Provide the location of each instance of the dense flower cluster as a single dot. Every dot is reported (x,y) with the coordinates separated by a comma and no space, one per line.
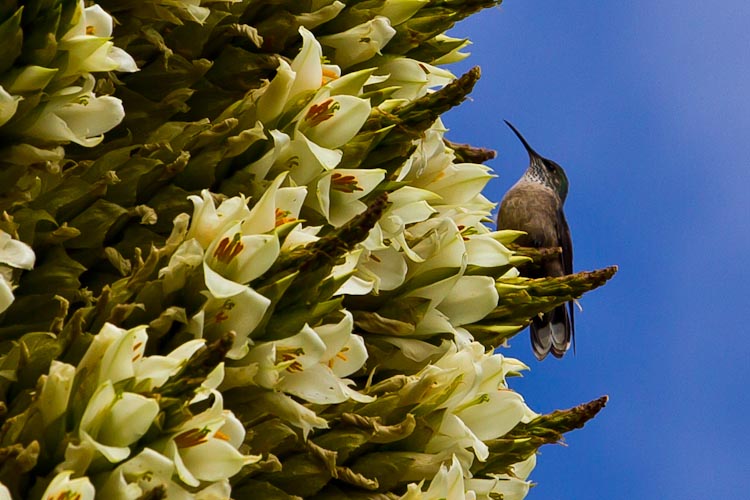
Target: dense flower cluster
(272,277)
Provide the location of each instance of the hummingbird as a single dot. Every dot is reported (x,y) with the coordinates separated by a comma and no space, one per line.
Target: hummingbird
(535,205)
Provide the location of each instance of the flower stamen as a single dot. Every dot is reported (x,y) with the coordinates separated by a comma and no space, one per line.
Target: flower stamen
(342,354)
(328,75)
(318,113)
(282,217)
(345,183)
(221,435)
(191,437)
(229,249)
(289,355)
(65,495)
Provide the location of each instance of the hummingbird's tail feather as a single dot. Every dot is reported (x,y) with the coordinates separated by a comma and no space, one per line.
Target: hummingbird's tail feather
(552,332)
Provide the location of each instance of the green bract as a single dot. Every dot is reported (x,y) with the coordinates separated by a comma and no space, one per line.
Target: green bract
(240,258)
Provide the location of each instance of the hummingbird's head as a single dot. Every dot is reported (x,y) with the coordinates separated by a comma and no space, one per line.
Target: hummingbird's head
(543,171)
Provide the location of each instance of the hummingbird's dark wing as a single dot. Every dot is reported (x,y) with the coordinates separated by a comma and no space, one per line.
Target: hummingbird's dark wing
(566,243)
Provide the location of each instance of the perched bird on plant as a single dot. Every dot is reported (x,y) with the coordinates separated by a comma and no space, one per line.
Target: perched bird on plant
(535,205)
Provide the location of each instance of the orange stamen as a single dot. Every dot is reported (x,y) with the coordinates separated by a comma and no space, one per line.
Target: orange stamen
(345,183)
(221,435)
(283,216)
(328,75)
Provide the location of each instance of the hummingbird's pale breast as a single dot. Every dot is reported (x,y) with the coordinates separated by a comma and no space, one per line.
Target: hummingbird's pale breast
(531,207)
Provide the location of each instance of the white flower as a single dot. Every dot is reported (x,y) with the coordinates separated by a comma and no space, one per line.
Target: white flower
(275,97)
(301,157)
(441,248)
(112,422)
(471,299)
(448,484)
(454,55)
(306,73)
(260,168)
(188,257)
(510,487)
(150,470)
(338,192)
(277,206)
(244,246)
(204,448)
(142,473)
(311,364)
(485,250)
(314,360)
(307,159)
(240,313)
(238,259)
(307,66)
(459,183)
(399,11)
(88,45)
(354,285)
(63,487)
(13,254)
(112,355)
(414,78)
(293,412)
(301,235)
(154,371)
(116,354)
(31,78)
(333,121)
(8,105)
(53,399)
(360,43)
(384,269)
(470,385)
(407,207)
(208,221)
(74,114)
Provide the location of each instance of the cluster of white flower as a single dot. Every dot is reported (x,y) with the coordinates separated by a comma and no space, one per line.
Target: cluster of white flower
(64,106)
(386,335)
(112,395)
(470,386)
(433,222)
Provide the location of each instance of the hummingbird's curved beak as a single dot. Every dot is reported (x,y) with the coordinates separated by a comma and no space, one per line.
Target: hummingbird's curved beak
(532,154)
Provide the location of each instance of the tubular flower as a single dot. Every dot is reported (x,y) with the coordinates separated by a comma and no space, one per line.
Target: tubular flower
(204,448)
(74,114)
(14,254)
(88,46)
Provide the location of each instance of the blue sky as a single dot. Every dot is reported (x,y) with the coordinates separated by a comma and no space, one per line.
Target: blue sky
(647,106)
